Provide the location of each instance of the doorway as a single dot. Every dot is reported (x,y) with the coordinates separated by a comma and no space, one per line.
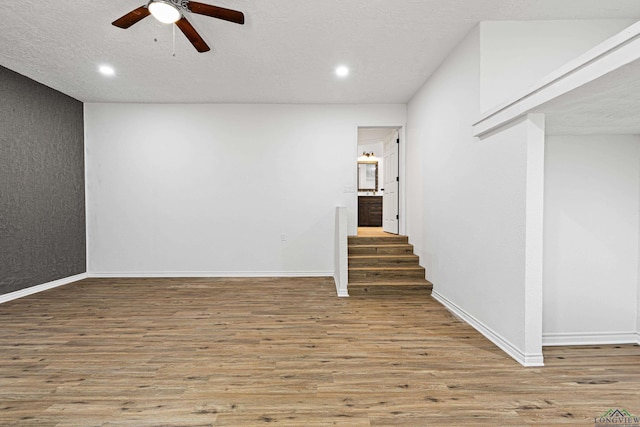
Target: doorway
(378,185)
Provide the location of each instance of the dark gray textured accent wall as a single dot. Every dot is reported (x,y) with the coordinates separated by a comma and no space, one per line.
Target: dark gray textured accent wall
(42,206)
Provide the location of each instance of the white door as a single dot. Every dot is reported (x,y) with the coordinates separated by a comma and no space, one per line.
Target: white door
(390,199)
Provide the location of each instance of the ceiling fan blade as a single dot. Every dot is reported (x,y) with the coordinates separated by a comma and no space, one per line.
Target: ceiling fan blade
(132,17)
(193,36)
(216,12)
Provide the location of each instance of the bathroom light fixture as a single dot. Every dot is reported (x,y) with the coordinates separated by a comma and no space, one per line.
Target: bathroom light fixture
(164,11)
(368,154)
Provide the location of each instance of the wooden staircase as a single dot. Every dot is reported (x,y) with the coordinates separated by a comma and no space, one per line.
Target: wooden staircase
(384,260)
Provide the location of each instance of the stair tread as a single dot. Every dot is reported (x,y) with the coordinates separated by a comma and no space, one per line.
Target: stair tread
(395,283)
(413,267)
(383,256)
(368,245)
(373,250)
(377,240)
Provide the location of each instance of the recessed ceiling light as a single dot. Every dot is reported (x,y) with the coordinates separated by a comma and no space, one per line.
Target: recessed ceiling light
(106,70)
(342,71)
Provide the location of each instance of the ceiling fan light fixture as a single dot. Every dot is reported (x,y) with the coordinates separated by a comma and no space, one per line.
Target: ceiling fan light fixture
(174,11)
(164,11)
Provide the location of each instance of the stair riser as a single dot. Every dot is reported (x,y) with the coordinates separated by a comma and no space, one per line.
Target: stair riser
(385,276)
(365,240)
(421,284)
(406,261)
(380,250)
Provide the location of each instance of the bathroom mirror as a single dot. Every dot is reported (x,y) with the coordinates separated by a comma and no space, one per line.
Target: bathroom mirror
(368,176)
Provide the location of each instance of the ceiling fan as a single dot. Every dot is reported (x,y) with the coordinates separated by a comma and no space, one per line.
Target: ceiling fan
(173,11)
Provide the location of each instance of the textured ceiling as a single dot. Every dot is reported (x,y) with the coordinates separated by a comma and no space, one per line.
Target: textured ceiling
(285,53)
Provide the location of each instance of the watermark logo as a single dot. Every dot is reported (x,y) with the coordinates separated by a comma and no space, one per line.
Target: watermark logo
(617,417)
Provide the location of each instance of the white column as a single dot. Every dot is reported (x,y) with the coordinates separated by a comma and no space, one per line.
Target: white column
(534,239)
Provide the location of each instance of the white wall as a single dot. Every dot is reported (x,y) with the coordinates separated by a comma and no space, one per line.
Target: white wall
(467,205)
(475,208)
(515,55)
(341,253)
(592,203)
(210,189)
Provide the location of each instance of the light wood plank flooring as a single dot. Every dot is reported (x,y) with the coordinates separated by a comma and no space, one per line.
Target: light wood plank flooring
(372,231)
(244,352)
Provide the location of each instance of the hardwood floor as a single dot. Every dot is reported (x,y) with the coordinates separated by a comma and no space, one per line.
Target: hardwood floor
(244,352)
(372,231)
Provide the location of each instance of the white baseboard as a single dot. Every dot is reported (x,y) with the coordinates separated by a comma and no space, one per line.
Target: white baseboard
(170,274)
(589,338)
(40,288)
(524,359)
(340,292)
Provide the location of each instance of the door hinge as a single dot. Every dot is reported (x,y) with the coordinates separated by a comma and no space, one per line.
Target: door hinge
(398,141)
(397,216)
(397,179)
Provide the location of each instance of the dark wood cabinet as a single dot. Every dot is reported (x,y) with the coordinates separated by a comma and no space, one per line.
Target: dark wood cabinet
(369,211)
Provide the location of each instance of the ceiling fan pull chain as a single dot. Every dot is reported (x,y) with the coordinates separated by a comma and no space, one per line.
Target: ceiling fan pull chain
(174,39)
